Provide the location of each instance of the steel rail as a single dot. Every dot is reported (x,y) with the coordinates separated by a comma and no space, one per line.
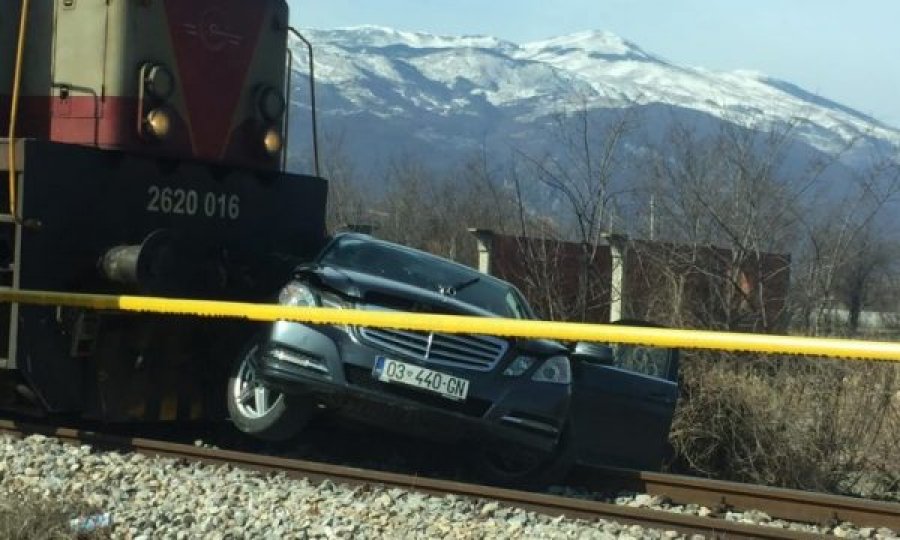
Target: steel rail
(660,337)
(549,505)
(779,503)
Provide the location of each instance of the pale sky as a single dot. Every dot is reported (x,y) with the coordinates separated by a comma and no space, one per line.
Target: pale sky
(844,50)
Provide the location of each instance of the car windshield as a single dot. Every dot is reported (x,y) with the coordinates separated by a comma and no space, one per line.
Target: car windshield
(427,272)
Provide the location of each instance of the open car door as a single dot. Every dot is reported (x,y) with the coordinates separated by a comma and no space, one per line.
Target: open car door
(622,406)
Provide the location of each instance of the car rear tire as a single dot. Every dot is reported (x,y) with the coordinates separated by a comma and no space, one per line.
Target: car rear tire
(525,469)
(259,411)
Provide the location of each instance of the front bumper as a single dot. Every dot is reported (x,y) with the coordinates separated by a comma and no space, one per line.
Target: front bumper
(334,366)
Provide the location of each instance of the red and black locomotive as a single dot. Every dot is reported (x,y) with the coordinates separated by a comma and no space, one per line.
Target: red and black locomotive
(143,152)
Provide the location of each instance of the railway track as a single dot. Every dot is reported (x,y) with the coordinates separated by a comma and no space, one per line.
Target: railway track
(786,504)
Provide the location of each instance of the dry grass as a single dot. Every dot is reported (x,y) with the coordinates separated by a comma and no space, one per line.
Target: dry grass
(28,518)
(802,423)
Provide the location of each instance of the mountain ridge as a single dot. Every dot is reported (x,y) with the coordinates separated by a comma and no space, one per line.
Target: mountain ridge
(454,93)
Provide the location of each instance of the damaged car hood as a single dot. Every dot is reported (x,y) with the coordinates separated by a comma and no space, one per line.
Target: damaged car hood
(372,290)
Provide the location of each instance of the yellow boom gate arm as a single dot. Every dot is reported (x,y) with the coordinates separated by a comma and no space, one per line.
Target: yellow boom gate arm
(454,324)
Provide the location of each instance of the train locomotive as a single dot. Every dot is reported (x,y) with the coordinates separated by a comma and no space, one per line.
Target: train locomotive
(144,148)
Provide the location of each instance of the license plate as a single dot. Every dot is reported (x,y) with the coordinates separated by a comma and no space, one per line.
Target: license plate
(393,371)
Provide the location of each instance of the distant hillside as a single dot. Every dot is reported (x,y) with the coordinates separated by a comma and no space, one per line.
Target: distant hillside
(387,93)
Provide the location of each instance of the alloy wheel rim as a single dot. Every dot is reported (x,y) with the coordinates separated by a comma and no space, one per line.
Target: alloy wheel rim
(252,398)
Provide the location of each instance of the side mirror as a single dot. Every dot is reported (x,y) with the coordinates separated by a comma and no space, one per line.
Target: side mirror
(593,353)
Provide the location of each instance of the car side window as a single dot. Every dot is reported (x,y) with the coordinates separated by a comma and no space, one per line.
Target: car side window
(645,360)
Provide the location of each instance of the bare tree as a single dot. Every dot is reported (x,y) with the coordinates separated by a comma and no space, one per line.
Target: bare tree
(432,211)
(581,172)
(845,251)
(347,204)
(723,204)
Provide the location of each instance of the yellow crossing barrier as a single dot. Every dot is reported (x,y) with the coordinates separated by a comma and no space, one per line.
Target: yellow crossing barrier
(455,324)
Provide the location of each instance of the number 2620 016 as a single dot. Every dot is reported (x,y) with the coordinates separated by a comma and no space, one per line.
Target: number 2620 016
(189,202)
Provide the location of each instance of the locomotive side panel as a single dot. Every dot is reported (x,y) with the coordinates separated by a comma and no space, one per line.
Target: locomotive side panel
(82,107)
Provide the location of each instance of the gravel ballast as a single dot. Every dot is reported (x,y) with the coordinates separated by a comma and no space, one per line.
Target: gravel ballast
(167,498)
(164,498)
(750,517)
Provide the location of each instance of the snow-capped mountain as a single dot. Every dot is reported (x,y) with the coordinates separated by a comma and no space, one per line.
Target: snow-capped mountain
(387,93)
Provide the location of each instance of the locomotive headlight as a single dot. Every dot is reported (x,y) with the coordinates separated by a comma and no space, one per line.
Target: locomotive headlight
(159,82)
(271,104)
(158,123)
(272,142)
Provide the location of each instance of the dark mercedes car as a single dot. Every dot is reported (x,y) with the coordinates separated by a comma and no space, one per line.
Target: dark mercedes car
(529,407)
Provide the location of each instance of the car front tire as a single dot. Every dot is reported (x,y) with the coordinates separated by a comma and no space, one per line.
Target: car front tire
(525,470)
(257,410)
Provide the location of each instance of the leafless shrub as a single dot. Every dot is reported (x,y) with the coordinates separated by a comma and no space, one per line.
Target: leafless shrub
(29,517)
(791,422)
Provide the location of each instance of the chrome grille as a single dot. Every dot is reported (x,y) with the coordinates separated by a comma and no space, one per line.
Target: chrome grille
(461,350)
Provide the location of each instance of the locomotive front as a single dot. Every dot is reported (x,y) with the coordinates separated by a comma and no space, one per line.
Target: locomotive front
(202,79)
(148,153)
